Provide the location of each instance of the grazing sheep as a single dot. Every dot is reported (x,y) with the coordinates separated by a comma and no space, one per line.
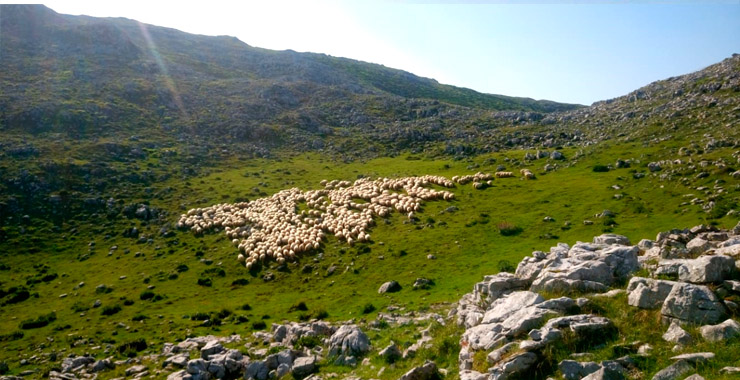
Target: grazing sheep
(272,229)
(504,174)
(527,174)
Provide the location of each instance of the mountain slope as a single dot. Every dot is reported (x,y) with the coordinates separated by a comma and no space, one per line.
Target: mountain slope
(85,75)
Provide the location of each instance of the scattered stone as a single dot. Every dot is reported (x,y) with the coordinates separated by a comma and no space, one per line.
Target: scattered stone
(211,348)
(694,304)
(674,371)
(696,357)
(676,334)
(573,370)
(348,340)
(390,353)
(135,370)
(515,366)
(730,370)
(723,331)
(647,293)
(695,376)
(428,371)
(389,287)
(304,366)
(706,269)
(605,373)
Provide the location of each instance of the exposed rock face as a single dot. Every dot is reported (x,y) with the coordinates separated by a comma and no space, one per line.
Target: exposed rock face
(389,287)
(517,365)
(304,366)
(426,372)
(647,293)
(707,269)
(676,334)
(349,340)
(723,331)
(694,304)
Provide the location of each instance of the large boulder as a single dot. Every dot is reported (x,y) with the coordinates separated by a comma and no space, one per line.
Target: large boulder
(698,246)
(211,348)
(516,366)
(674,371)
(256,370)
(349,340)
(647,293)
(694,304)
(573,370)
(676,334)
(389,287)
(504,307)
(610,239)
(725,330)
(70,364)
(707,269)
(428,371)
(304,366)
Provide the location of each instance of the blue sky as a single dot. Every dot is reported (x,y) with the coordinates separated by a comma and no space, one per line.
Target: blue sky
(564,51)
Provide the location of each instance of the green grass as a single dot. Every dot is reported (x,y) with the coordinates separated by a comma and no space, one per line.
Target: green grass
(466,244)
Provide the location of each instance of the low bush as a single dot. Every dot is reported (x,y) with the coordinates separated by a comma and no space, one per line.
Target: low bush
(41,321)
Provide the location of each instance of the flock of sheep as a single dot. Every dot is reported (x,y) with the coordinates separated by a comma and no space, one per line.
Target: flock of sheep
(292,221)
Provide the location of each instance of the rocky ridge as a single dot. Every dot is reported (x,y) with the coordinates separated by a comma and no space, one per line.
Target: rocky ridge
(506,317)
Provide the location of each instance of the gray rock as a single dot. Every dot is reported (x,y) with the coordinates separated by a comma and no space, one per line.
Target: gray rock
(676,334)
(698,246)
(504,307)
(654,167)
(472,375)
(695,376)
(556,155)
(389,287)
(645,244)
(422,283)
(391,353)
(282,370)
(102,365)
(674,371)
(428,371)
(70,364)
(348,340)
(179,375)
(605,373)
(573,370)
(217,370)
(197,366)
(256,370)
(730,370)
(647,293)
(515,366)
(707,269)
(611,239)
(496,355)
(723,331)
(693,303)
(135,370)
(695,357)
(285,357)
(304,366)
(492,287)
(211,348)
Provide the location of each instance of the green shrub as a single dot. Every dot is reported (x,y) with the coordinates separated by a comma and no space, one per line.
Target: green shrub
(41,321)
(15,335)
(259,325)
(139,317)
(205,281)
(321,314)
(506,266)
(508,229)
(146,295)
(240,281)
(600,168)
(309,341)
(130,348)
(110,310)
(199,317)
(246,306)
(368,308)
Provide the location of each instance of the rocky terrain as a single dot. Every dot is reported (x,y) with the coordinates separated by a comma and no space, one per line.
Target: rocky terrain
(514,319)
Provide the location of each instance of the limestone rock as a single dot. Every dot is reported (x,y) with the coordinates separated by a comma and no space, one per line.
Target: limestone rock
(390,353)
(573,370)
(676,334)
(428,371)
(389,287)
(605,373)
(723,331)
(706,269)
(694,304)
(515,366)
(304,366)
(647,293)
(348,340)
(610,239)
(212,347)
(674,371)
